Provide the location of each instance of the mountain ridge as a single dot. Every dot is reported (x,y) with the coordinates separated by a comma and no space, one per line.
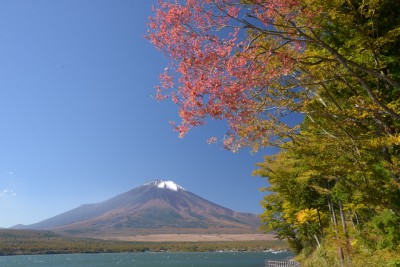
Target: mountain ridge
(157,206)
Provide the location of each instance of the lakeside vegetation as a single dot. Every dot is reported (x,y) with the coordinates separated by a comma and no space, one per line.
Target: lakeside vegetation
(27,242)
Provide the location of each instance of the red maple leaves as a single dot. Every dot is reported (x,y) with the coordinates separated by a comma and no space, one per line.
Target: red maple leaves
(221,65)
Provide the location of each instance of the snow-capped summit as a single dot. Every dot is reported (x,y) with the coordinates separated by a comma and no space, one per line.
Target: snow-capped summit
(169,185)
(166,185)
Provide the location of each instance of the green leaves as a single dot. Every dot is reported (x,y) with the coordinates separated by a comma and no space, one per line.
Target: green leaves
(331,187)
(382,231)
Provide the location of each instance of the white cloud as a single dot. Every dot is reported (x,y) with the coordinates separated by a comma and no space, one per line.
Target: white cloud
(7,193)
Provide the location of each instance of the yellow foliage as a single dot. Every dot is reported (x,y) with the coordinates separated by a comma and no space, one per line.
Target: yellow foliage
(384,141)
(307,216)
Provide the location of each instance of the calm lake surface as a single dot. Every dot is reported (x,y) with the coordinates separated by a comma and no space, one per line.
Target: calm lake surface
(204,259)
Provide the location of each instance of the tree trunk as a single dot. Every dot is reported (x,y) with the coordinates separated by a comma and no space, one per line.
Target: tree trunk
(340,250)
(344,224)
(316,239)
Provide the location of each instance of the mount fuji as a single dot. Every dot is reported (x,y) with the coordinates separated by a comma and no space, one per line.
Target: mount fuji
(156,207)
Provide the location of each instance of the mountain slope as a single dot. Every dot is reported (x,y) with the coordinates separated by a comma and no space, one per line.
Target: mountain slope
(155,207)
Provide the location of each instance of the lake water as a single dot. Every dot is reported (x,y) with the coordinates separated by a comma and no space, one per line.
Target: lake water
(163,259)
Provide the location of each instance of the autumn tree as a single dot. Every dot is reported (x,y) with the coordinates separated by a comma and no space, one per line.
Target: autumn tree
(325,197)
(257,64)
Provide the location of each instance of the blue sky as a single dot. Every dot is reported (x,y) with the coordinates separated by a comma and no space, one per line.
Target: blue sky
(78,123)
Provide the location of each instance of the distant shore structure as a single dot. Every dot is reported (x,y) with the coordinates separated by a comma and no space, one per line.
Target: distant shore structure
(289,263)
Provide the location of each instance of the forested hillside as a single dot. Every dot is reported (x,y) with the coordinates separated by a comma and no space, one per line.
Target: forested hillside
(27,242)
(333,189)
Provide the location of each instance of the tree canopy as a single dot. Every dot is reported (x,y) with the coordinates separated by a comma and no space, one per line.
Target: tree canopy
(255,62)
(336,63)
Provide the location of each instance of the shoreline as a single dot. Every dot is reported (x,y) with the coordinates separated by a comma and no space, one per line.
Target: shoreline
(189,237)
(278,251)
